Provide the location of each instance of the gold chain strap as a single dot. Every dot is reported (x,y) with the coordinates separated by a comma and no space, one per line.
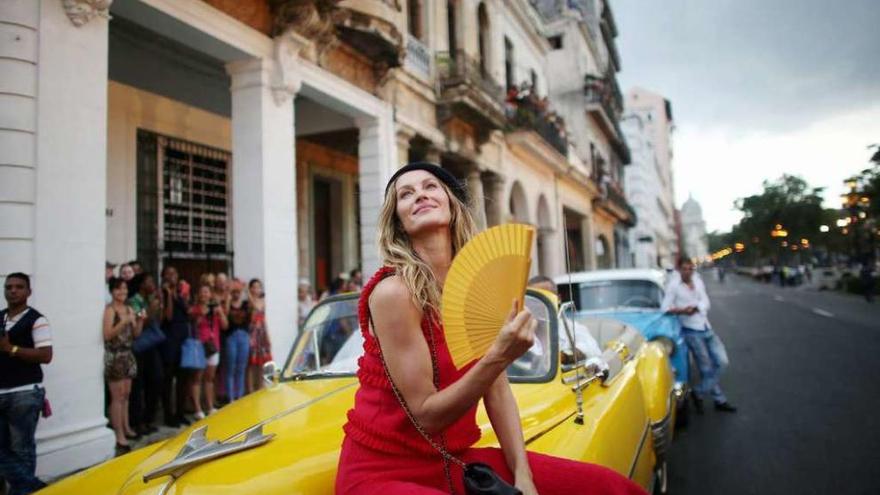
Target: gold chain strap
(447,457)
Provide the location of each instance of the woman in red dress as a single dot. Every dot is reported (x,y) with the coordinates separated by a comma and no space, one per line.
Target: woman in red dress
(424,222)
(260,345)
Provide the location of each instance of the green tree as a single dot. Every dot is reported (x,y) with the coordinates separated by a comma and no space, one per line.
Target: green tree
(718,240)
(789,203)
(862,206)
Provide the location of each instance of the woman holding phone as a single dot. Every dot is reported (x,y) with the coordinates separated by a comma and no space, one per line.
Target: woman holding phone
(120,327)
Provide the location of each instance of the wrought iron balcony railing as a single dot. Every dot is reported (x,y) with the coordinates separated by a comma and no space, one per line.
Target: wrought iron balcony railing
(603,92)
(526,115)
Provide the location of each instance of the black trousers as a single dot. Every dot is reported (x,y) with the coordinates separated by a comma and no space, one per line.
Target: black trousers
(146,388)
(175,380)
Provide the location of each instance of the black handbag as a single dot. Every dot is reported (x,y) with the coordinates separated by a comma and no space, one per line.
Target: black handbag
(479,478)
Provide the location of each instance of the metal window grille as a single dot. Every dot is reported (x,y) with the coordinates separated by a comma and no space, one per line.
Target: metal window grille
(194,206)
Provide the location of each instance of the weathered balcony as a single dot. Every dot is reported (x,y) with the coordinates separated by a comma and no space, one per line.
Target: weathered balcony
(525,115)
(605,104)
(467,92)
(373,27)
(612,200)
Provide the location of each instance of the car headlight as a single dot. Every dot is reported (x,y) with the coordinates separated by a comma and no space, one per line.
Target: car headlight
(667,343)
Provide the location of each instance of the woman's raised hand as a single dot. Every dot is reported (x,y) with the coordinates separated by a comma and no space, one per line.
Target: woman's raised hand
(516,336)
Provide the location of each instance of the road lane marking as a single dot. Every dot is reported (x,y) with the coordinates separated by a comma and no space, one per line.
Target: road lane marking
(779,298)
(822,312)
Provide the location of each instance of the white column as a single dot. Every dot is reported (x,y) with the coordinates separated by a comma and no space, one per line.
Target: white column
(53,150)
(496,208)
(403,139)
(264,194)
(475,186)
(589,240)
(377,161)
(19,21)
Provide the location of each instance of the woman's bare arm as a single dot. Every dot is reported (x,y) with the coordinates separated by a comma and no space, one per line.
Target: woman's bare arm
(398,326)
(109,329)
(504,414)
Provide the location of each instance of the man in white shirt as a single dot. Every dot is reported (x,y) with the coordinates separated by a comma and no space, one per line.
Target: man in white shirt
(25,344)
(687,298)
(584,342)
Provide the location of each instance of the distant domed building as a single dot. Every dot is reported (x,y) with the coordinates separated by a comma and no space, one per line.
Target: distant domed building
(693,229)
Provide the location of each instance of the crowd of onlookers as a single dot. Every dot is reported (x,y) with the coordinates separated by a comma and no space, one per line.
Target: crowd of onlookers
(151,328)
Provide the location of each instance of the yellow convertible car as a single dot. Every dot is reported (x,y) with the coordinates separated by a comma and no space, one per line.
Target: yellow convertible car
(613,410)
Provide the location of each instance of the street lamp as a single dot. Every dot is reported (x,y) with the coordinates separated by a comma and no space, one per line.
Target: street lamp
(823,228)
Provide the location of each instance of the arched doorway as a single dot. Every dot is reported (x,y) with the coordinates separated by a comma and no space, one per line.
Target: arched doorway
(518,208)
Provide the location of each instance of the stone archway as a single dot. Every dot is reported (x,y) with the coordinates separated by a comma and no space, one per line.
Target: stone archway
(518,207)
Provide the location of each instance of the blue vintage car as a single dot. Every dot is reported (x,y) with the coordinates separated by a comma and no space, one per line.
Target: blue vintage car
(632,296)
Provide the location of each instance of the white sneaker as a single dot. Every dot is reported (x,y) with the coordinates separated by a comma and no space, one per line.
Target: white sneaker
(199,415)
(212,411)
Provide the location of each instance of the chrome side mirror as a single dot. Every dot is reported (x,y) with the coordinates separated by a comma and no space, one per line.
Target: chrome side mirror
(598,368)
(271,373)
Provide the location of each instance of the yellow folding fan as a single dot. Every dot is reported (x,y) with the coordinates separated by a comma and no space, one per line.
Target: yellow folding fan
(486,276)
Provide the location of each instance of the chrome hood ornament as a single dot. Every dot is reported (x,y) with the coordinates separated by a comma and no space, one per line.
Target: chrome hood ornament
(199,450)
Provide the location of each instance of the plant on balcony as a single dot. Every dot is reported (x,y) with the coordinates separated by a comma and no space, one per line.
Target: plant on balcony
(526,110)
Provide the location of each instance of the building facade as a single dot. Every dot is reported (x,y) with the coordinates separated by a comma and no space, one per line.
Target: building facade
(648,126)
(582,73)
(693,231)
(256,137)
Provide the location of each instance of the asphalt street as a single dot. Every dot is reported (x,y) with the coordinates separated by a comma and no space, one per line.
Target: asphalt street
(804,373)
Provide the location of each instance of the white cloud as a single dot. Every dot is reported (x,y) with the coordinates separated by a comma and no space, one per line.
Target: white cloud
(718,165)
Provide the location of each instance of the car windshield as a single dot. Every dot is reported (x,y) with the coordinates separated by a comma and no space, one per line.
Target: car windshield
(330,342)
(610,294)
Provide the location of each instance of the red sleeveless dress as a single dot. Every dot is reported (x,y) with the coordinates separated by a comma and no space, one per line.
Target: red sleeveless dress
(384,454)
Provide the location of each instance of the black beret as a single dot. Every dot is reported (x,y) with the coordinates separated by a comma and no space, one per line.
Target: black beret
(454,185)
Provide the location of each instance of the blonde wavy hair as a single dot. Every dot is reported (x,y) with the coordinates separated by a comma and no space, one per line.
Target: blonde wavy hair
(397,252)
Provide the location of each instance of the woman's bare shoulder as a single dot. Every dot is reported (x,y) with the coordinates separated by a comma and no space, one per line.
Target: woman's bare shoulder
(391,297)
(390,290)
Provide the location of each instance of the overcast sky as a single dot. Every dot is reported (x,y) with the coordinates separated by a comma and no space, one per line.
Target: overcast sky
(758,88)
